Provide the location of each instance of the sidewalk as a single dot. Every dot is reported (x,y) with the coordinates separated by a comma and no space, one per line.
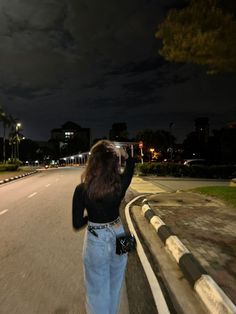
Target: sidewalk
(206,226)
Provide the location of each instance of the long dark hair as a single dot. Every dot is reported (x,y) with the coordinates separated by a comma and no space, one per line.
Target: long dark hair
(101,176)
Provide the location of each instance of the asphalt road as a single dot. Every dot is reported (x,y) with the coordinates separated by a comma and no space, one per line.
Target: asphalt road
(40,255)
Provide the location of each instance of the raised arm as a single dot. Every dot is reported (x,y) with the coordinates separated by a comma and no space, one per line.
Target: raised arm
(126,177)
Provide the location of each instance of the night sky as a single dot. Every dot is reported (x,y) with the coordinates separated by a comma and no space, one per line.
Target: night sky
(95,63)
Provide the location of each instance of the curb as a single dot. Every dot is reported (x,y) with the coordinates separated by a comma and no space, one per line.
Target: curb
(17,177)
(213,297)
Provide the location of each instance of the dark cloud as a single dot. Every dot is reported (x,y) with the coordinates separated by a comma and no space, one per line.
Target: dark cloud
(25,93)
(97,63)
(143,66)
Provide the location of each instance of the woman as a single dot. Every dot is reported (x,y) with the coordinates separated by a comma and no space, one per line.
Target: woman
(100,193)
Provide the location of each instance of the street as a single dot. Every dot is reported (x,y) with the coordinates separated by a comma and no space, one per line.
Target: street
(40,254)
(41,270)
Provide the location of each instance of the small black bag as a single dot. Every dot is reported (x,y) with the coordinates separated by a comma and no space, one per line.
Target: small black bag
(125,244)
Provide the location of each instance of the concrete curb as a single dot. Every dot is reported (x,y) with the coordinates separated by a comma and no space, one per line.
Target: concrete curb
(17,177)
(212,296)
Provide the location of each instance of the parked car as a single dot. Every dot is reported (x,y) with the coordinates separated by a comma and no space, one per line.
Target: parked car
(55,165)
(198,162)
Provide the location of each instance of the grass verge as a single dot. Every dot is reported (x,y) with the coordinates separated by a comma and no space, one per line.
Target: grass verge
(225,193)
(8,174)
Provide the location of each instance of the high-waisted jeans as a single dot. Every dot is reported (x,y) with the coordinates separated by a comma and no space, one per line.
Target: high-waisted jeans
(103,269)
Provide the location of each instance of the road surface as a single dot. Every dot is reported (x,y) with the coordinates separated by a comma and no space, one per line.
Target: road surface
(40,255)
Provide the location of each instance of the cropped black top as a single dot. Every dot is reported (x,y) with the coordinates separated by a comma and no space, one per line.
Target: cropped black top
(104,210)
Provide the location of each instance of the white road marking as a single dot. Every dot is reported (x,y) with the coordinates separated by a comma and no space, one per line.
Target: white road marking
(33,194)
(3,211)
(153,282)
(47,185)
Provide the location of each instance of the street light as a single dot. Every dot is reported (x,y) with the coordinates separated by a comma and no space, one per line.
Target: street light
(18,125)
(152,150)
(140,145)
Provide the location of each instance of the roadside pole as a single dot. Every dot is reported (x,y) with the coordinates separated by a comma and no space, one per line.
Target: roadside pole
(140,145)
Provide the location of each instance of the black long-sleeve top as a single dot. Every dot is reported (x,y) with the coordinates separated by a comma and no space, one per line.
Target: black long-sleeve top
(104,210)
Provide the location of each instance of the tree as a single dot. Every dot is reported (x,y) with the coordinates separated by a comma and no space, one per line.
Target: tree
(159,140)
(2,119)
(201,33)
(28,150)
(7,121)
(15,137)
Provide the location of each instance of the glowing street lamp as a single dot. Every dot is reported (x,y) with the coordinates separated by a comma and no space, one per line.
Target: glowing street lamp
(152,150)
(18,125)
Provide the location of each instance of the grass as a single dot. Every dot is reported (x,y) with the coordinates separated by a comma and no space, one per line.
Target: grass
(224,193)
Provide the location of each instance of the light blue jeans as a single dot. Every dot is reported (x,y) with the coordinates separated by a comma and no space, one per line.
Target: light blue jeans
(103,269)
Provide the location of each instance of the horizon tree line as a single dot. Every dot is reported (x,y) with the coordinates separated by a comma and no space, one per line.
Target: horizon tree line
(12,131)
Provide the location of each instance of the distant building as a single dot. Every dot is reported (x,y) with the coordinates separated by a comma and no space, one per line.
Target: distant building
(69,131)
(226,139)
(196,143)
(118,132)
(202,129)
(71,138)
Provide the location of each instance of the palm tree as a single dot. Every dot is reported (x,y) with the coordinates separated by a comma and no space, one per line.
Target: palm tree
(2,114)
(14,136)
(6,123)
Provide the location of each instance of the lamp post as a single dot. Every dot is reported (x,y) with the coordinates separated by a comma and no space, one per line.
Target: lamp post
(118,146)
(140,145)
(18,125)
(171,141)
(151,151)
